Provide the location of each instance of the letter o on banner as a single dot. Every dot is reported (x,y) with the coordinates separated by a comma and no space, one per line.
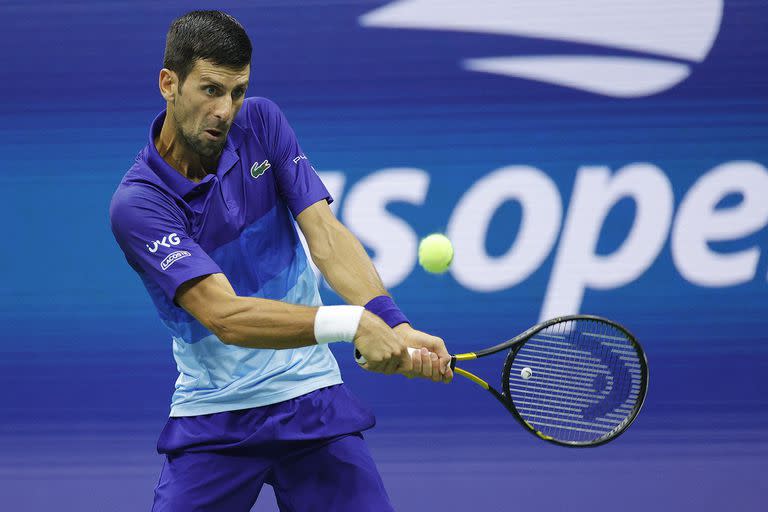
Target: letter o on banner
(468,228)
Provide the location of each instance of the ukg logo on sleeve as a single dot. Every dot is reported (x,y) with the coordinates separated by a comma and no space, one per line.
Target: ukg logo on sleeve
(167,241)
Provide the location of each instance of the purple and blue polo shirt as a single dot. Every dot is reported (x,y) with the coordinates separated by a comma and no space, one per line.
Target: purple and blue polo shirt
(240,222)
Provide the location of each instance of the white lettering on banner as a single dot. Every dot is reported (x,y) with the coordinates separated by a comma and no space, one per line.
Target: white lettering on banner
(365,213)
(540,224)
(577,266)
(699,222)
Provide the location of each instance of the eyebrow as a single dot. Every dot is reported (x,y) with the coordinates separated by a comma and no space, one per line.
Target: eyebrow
(219,84)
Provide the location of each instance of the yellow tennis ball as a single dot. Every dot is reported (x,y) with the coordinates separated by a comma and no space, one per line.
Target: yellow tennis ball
(435,253)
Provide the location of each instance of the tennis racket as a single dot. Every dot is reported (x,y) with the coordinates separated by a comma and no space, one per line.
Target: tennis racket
(575,381)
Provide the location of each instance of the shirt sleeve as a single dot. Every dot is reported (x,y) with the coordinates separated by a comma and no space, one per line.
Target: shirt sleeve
(153,236)
(297,181)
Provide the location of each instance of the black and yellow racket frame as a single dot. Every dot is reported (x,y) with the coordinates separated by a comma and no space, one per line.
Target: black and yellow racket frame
(505,397)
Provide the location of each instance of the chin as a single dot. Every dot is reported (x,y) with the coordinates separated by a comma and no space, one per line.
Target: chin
(208,149)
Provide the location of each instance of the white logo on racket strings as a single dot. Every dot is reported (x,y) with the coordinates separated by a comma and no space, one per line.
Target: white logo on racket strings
(166,241)
(589,385)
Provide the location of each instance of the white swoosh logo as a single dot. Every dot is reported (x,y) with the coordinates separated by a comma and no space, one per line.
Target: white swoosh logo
(683,30)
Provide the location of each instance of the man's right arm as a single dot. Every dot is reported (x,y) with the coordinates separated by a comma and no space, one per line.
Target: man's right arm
(246,321)
(263,323)
(184,272)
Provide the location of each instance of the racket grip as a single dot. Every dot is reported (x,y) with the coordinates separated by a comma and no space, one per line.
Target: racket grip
(361,360)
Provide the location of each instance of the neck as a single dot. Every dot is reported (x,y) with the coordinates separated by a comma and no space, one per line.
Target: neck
(177,153)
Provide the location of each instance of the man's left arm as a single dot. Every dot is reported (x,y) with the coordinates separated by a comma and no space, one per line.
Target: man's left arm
(346,266)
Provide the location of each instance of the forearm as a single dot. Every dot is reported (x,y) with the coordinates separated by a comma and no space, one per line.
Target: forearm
(246,321)
(346,266)
(261,323)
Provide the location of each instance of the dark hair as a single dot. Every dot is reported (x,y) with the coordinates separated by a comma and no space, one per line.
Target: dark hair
(209,35)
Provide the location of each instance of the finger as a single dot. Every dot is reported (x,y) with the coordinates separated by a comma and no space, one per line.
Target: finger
(441,350)
(391,364)
(448,375)
(378,363)
(444,356)
(416,361)
(405,361)
(436,377)
(373,367)
(426,363)
(436,345)
(399,361)
(444,364)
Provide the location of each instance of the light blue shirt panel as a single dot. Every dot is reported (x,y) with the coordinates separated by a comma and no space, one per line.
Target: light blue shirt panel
(215,377)
(265,261)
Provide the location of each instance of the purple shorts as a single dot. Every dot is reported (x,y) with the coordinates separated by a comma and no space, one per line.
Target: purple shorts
(309,449)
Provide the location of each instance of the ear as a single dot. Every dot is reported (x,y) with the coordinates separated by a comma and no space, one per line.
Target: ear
(168,82)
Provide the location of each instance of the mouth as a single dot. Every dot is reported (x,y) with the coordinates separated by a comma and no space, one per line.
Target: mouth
(213,133)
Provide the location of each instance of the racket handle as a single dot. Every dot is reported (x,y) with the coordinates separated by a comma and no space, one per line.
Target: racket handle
(361,360)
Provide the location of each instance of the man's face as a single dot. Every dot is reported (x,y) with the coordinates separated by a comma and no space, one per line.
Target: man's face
(206,104)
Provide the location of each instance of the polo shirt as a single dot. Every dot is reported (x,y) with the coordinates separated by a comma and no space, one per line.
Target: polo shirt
(238,221)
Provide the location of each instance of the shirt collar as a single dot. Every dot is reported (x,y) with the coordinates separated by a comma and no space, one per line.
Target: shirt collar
(173,178)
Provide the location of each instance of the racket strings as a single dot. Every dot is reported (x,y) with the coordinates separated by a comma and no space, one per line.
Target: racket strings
(584,384)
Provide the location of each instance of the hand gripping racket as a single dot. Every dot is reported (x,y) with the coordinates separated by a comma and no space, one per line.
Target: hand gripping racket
(574,381)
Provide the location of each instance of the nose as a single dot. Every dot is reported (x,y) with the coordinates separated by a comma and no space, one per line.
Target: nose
(222,108)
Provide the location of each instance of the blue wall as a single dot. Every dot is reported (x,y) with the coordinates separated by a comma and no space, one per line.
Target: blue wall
(668,100)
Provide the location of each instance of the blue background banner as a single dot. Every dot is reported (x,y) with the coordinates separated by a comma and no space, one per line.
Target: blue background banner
(601,157)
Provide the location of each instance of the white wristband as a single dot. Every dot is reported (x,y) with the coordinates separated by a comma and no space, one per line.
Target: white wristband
(337,323)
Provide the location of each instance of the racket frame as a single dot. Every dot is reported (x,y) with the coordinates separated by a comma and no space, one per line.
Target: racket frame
(516,343)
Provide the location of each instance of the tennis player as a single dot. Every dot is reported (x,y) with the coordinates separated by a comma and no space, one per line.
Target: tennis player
(205,216)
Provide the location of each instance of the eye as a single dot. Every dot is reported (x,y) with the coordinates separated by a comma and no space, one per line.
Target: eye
(210,90)
(238,93)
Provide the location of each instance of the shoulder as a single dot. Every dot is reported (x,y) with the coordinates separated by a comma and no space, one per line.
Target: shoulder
(261,116)
(137,194)
(260,106)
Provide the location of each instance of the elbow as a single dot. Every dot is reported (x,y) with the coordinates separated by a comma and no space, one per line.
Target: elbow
(227,336)
(320,254)
(221,324)
(321,246)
